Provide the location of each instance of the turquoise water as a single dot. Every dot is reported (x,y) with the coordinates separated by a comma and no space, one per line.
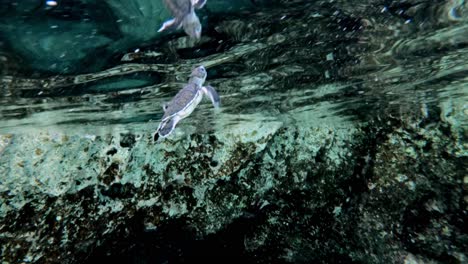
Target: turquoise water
(357,103)
(279,64)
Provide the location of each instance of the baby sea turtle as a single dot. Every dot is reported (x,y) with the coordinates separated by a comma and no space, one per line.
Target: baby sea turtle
(183,12)
(185,101)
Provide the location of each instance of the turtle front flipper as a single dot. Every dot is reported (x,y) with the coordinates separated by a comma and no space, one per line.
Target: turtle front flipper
(198,4)
(170,24)
(212,94)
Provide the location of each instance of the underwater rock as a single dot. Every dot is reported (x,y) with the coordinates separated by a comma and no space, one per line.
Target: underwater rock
(379,189)
(65,195)
(399,197)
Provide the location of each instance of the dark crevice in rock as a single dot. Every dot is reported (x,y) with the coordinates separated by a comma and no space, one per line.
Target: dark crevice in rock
(119,191)
(111,151)
(177,242)
(127,140)
(110,174)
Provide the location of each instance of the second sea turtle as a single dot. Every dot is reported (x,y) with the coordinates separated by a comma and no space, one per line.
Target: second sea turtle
(183,12)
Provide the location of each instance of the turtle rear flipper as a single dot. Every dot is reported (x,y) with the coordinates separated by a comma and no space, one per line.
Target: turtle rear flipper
(212,94)
(166,128)
(192,26)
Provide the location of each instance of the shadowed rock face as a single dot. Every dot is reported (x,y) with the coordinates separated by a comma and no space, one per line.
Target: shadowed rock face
(341,138)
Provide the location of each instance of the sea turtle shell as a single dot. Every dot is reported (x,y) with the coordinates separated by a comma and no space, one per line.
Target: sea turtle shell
(179,8)
(183,102)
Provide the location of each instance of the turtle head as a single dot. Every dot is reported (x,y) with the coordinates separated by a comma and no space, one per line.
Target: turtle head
(198,75)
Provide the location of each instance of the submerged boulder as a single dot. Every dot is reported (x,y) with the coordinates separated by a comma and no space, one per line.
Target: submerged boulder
(372,193)
(65,195)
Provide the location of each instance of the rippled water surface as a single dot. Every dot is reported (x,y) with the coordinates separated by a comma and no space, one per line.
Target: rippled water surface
(86,67)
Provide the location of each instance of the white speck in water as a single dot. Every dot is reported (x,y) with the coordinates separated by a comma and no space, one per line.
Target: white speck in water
(54,26)
(150,227)
(51,3)
(330,56)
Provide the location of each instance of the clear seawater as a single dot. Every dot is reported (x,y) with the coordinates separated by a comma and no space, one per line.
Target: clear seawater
(92,68)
